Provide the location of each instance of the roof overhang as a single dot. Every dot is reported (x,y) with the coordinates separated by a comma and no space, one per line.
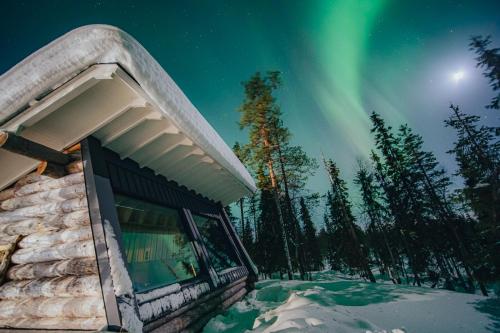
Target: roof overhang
(107,102)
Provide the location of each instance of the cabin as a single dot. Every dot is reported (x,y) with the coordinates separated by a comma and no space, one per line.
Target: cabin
(112,194)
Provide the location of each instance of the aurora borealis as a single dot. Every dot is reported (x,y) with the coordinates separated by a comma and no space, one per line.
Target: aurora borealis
(338,86)
(340,60)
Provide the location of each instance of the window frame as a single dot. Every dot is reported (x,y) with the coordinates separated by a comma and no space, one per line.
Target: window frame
(187,231)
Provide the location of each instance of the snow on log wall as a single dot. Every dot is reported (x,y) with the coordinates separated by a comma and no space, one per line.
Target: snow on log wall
(52,282)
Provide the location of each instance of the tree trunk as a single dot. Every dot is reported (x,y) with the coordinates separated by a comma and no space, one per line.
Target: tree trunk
(393,268)
(458,273)
(483,288)
(411,258)
(403,268)
(283,235)
(255,227)
(291,214)
(274,185)
(445,272)
(364,260)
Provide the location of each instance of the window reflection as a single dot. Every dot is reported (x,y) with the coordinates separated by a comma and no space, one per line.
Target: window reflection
(157,249)
(214,237)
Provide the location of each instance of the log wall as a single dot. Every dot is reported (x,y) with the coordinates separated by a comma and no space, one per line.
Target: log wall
(52,281)
(49,278)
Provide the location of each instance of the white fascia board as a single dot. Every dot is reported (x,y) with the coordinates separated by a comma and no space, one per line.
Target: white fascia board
(59,96)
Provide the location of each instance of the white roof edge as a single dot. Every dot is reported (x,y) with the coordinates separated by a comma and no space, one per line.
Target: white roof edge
(98,44)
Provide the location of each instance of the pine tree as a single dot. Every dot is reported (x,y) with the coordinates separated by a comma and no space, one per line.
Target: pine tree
(259,113)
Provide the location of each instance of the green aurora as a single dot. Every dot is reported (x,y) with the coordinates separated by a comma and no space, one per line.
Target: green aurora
(346,27)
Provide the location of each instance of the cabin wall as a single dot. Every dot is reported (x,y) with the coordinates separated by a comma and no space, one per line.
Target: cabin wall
(52,281)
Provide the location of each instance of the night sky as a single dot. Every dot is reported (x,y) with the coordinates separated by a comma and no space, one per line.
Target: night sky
(340,60)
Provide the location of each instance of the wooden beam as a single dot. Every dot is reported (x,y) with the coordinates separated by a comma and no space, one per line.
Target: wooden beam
(19,145)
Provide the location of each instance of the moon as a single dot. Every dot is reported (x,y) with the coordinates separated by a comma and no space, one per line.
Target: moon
(458,76)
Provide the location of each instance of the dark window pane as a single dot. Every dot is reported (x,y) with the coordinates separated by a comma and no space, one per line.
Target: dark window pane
(158,250)
(219,249)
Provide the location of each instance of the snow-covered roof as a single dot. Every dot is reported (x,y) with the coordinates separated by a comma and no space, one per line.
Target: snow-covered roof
(98,80)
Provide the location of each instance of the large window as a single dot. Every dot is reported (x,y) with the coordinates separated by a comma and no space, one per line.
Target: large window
(157,248)
(216,242)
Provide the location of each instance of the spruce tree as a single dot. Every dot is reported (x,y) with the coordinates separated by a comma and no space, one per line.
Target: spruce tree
(243,157)
(489,60)
(355,253)
(432,184)
(478,154)
(406,203)
(295,166)
(311,246)
(373,206)
(324,245)
(330,243)
(268,249)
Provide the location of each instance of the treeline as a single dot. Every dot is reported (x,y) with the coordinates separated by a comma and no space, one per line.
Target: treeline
(416,228)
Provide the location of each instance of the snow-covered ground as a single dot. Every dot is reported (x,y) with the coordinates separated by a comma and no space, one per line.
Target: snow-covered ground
(335,304)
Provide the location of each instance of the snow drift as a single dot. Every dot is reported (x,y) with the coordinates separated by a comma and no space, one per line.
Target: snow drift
(340,305)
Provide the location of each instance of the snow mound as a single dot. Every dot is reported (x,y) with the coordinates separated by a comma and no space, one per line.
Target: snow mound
(340,306)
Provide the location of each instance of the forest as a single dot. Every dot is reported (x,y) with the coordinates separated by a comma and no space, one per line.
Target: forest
(414,226)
